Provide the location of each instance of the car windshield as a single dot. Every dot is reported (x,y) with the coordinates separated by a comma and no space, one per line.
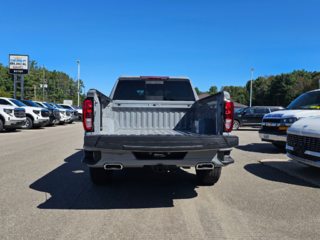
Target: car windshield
(49,105)
(240,110)
(58,106)
(33,104)
(66,107)
(18,103)
(310,100)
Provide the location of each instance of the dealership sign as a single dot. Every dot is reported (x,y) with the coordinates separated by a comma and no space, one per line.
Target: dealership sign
(18,64)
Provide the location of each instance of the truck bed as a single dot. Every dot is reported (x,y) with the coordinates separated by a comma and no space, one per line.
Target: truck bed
(158,125)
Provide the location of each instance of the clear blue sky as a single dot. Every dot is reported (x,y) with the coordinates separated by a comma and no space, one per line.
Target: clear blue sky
(211,42)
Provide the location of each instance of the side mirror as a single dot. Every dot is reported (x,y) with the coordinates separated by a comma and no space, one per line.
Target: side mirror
(244,113)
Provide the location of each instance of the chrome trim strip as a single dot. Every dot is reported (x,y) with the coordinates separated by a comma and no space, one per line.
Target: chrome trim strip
(316,154)
(305,161)
(280,138)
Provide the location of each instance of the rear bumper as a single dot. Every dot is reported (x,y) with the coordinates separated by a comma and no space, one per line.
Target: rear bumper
(127,159)
(122,150)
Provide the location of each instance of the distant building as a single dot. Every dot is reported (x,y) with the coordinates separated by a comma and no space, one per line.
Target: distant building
(236,105)
(203,95)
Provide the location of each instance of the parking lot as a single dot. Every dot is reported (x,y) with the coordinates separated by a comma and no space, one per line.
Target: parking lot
(46,193)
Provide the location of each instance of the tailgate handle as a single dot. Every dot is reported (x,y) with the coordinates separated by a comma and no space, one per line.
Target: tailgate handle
(130,147)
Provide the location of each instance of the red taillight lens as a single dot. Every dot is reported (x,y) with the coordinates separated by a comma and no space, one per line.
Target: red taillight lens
(229,115)
(87,115)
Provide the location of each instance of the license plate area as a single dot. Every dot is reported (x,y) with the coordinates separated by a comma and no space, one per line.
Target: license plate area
(159,155)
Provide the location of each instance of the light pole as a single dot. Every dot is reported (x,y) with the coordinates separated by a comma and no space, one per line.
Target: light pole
(43,85)
(78,81)
(251,87)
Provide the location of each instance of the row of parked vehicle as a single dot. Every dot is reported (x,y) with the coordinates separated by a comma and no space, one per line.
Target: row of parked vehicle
(295,128)
(26,114)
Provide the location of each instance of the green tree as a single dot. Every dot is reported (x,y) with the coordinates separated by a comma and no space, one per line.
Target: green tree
(3,93)
(213,90)
(197,91)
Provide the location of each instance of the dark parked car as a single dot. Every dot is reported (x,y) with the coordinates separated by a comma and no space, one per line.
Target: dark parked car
(252,116)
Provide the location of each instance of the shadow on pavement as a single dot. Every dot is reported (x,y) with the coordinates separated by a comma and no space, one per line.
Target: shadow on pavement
(70,188)
(271,174)
(8,132)
(261,148)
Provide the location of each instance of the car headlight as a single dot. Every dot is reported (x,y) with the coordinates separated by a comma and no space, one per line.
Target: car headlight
(288,120)
(8,111)
(36,112)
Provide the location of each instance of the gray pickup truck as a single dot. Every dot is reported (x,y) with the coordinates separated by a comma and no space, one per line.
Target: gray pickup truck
(157,122)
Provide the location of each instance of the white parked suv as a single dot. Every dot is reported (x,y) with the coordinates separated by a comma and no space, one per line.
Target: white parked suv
(275,125)
(76,112)
(11,118)
(35,117)
(303,141)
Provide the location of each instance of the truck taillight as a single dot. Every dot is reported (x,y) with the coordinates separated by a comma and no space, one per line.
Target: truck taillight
(229,115)
(87,115)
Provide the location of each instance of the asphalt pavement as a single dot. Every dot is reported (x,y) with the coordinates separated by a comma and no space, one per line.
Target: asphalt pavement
(46,193)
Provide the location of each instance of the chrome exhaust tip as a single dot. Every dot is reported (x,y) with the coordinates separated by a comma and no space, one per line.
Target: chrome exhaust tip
(204,166)
(113,166)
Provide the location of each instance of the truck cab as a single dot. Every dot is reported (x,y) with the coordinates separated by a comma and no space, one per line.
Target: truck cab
(274,125)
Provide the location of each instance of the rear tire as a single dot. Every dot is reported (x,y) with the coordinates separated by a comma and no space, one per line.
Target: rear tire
(280,145)
(99,176)
(236,125)
(70,122)
(29,123)
(1,125)
(209,177)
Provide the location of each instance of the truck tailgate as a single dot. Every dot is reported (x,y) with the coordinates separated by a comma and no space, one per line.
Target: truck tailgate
(161,143)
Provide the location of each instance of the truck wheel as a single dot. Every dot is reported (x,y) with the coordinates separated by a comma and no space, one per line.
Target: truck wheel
(236,125)
(280,145)
(99,176)
(209,177)
(1,125)
(28,124)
